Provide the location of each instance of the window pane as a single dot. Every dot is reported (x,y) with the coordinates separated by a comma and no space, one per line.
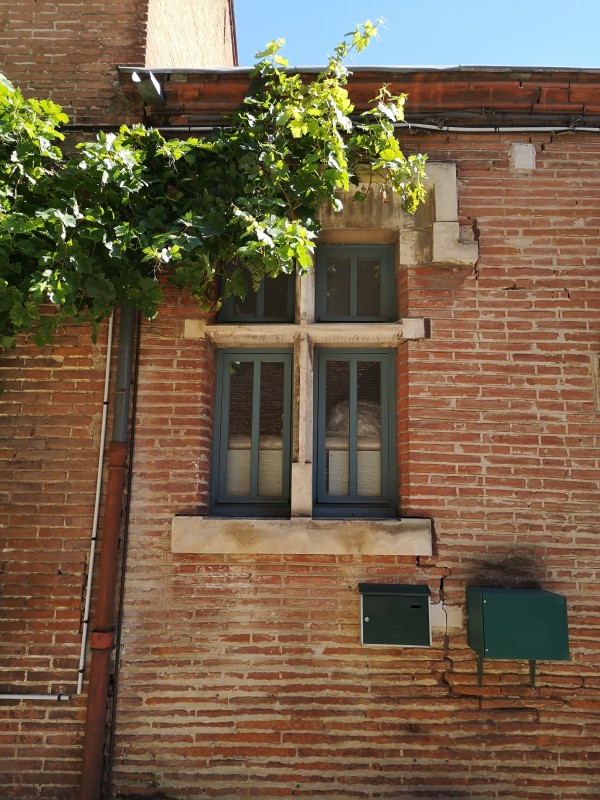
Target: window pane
(355,282)
(355,433)
(270,458)
(337,299)
(337,396)
(239,436)
(368,433)
(272,302)
(247,306)
(368,295)
(277,291)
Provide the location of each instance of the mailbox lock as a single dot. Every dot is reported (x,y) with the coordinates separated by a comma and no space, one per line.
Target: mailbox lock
(366,619)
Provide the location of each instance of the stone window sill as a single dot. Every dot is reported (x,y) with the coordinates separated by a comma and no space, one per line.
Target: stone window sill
(408,536)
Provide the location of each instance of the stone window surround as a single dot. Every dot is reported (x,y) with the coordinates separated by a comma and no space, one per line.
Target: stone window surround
(431,236)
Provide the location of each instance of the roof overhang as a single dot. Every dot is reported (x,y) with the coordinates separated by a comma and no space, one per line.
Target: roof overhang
(439,96)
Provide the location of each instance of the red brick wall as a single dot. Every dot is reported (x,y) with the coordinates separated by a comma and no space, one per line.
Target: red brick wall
(50,420)
(243,676)
(68,51)
(50,415)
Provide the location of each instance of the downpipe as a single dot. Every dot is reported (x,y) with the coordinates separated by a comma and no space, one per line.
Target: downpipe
(110,748)
(94,537)
(102,638)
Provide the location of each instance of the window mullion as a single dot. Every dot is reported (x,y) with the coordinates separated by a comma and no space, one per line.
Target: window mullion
(287,406)
(223,400)
(384,453)
(353,286)
(352,428)
(255,439)
(260,301)
(321,427)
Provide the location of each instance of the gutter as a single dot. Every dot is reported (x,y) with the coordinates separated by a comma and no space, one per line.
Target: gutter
(102,638)
(356,70)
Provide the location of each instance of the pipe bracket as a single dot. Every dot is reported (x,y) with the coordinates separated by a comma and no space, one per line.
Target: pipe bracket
(102,640)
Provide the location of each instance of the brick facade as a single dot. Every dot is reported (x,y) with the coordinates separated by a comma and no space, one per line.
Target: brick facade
(51,410)
(69,51)
(242,675)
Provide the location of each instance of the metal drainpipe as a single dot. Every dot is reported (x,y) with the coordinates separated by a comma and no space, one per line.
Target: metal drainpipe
(103,636)
(113,713)
(94,537)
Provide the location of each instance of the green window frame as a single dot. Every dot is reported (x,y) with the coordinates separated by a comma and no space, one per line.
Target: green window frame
(353,502)
(278,294)
(251,502)
(358,269)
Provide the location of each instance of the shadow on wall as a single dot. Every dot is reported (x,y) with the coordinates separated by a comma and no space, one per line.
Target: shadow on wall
(514,570)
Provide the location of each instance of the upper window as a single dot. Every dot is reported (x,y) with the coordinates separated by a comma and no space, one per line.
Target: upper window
(355,284)
(251,475)
(273,301)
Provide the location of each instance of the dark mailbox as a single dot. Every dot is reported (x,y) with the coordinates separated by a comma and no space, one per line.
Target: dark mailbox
(395,614)
(520,624)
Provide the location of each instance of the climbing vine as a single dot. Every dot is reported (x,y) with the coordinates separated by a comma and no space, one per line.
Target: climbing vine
(84,232)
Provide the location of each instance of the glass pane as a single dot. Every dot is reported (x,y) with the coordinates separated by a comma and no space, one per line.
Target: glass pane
(247,306)
(337,407)
(276,297)
(368,278)
(337,298)
(239,435)
(368,433)
(270,453)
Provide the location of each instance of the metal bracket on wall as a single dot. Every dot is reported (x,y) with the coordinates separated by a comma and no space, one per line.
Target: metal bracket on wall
(532,665)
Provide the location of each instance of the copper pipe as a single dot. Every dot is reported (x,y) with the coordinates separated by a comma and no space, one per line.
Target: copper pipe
(102,638)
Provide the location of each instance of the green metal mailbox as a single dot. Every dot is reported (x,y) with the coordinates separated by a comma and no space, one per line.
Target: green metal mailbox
(519,624)
(394,615)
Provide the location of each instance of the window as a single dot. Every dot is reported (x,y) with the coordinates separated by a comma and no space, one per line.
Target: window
(251,474)
(355,284)
(355,472)
(349,313)
(273,302)
(345,396)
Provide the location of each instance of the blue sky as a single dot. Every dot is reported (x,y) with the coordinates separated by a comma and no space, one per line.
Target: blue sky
(433,33)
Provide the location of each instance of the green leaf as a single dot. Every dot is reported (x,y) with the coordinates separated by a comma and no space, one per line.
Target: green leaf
(6,83)
(271,48)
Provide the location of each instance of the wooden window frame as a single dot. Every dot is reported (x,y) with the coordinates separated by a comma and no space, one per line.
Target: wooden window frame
(354,505)
(385,253)
(253,505)
(228,314)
